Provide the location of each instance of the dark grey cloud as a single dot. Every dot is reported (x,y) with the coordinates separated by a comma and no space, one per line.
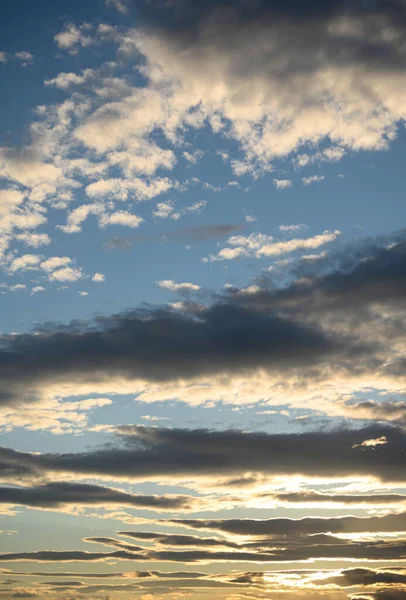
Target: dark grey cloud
(313,496)
(151,452)
(310,40)
(384,594)
(67,556)
(56,495)
(178,540)
(112,575)
(299,527)
(366,577)
(309,330)
(259,553)
(361,550)
(159,345)
(183,235)
(378,275)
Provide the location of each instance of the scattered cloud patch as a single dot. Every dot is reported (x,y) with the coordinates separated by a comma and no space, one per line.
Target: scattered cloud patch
(312,179)
(168,284)
(282,184)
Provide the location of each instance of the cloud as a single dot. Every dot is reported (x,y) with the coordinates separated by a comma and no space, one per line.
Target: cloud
(260,245)
(193,157)
(226,338)
(65,80)
(153,452)
(34,239)
(170,285)
(292,228)
(124,189)
(199,233)
(317,337)
(120,5)
(266,550)
(99,278)
(306,526)
(25,262)
(36,289)
(26,58)
(312,179)
(120,217)
(319,498)
(282,184)
(62,494)
(310,52)
(163,210)
(78,215)
(66,274)
(371,443)
(23,57)
(366,577)
(72,36)
(55,262)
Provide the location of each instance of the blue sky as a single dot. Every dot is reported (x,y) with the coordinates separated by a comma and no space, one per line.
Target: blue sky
(202,285)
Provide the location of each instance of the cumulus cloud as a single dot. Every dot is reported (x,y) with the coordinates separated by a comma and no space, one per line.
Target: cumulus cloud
(124,189)
(170,285)
(71,37)
(66,274)
(26,58)
(55,262)
(34,239)
(25,262)
(37,288)
(311,53)
(65,80)
(282,184)
(120,217)
(99,278)
(260,245)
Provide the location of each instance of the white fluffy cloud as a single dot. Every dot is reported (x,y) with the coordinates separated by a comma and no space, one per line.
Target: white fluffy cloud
(125,189)
(55,262)
(282,184)
(120,217)
(71,37)
(312,179)
(37,289)
(65,80)
(66,275)
(259,245)
(99,278)
(168,284)
(34,239)
(25,262)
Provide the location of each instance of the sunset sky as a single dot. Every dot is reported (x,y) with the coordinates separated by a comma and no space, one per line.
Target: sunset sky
(202,299)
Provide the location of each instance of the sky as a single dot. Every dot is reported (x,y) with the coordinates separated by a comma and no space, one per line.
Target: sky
(202,291)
